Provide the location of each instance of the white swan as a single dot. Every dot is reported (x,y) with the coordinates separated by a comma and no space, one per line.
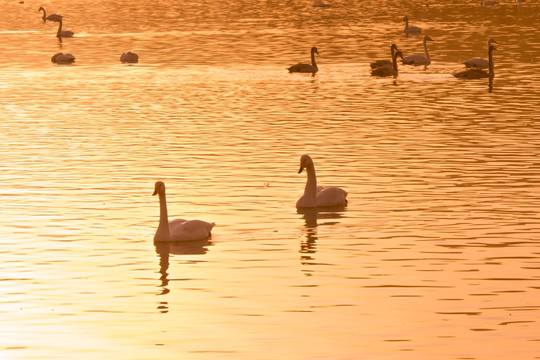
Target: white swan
(318,196)
(475,73)
(129,57)
(385,62)
(178,229)
(417,59)
(410,29)
(306,68)
(52,17)
(488,3)
(63,59)
(477,62)
(388,70)
(62,33)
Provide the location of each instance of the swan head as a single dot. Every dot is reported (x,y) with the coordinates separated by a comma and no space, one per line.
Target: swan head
(427,38)
(491,41)
(314,50)
(305,161)
(398,53)
(159,188)
(406,19)
(393,48)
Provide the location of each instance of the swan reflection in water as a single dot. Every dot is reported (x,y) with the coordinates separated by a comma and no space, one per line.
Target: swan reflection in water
(312,217)
(164,250)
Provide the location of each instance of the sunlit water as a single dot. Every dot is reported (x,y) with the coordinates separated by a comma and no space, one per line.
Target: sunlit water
(436,257)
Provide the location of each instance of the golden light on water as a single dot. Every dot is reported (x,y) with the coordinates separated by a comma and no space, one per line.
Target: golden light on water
(434,257)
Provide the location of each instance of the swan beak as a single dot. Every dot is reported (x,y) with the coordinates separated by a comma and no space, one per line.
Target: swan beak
(301,169)
(155,192)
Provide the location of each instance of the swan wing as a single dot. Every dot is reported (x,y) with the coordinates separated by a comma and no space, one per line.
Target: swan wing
(379,63)
(476,63)
(302,68)
(188,230)
(416,60)
(331,196)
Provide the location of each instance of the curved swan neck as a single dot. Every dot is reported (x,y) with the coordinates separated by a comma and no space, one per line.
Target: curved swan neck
(59,32)
(311,183)
(426,54)
(406,23)
(313,63)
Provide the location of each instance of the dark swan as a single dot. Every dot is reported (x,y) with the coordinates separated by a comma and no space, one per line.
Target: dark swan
(306,68)
(388,70)
(62,33)
(129,57)
(385,62)
(63,59)
(52,17)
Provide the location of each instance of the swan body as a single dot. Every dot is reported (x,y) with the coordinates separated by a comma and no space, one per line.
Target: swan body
(410,29)
(385,62)
(388,70)
(318,196)
(474,73)
(306,68)
(321,4)
(62,33)
(129,57)
(417,59)
(52,17)
(477,62)
(63,59)
(178,229)
(488,3)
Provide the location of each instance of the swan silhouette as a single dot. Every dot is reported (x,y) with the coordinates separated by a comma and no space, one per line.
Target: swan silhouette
(62,33)
(318,196)
(178,229)
(129,57)
(417,59)
(488,3)
(306,68)
(385,62)
(63,59)
(475,73)
(410,29)
(52,17)
(388,70)
(477,62)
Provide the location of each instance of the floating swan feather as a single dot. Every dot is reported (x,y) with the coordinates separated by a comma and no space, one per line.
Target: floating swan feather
(318,196)
(306,68)
(178,229)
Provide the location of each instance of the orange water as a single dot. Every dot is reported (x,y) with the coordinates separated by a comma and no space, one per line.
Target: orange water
(436,256)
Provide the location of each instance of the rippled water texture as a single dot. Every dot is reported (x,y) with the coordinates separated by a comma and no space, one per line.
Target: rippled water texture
(435,257)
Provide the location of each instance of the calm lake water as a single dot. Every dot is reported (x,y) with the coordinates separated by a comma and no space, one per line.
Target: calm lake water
(437,255)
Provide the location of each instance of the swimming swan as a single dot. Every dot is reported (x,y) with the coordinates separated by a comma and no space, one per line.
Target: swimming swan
(129,57)
(417,59)
(52,17)
(63,59)
(477,62)
(410,29)
(318,196)
(488,3)
(387,70)
(62,33)
(385,62)
(475,73)
(306,68)
(178,229)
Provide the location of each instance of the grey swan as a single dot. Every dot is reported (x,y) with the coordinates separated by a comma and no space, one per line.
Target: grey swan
(417,59)
(474,73)
(477,62)
(410,29)
(306,68)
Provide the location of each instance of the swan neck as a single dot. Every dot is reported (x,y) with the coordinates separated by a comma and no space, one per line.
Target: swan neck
(163,227)
(490,61)
(426,54)
(394,64)
(313,63)
(311,184)
(59,32)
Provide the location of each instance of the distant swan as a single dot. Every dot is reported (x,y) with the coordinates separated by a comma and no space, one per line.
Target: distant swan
(62,33)
(488,3)
(475,73)
(129,57)
(388,70)
(52,17)
(321,4)
(178,229)
(418,60)
(318,196)
(306,68)
(410,29)
(385,62)
(63,59)
(477,62)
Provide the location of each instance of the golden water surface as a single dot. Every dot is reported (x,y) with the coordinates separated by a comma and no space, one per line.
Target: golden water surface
(437,255)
